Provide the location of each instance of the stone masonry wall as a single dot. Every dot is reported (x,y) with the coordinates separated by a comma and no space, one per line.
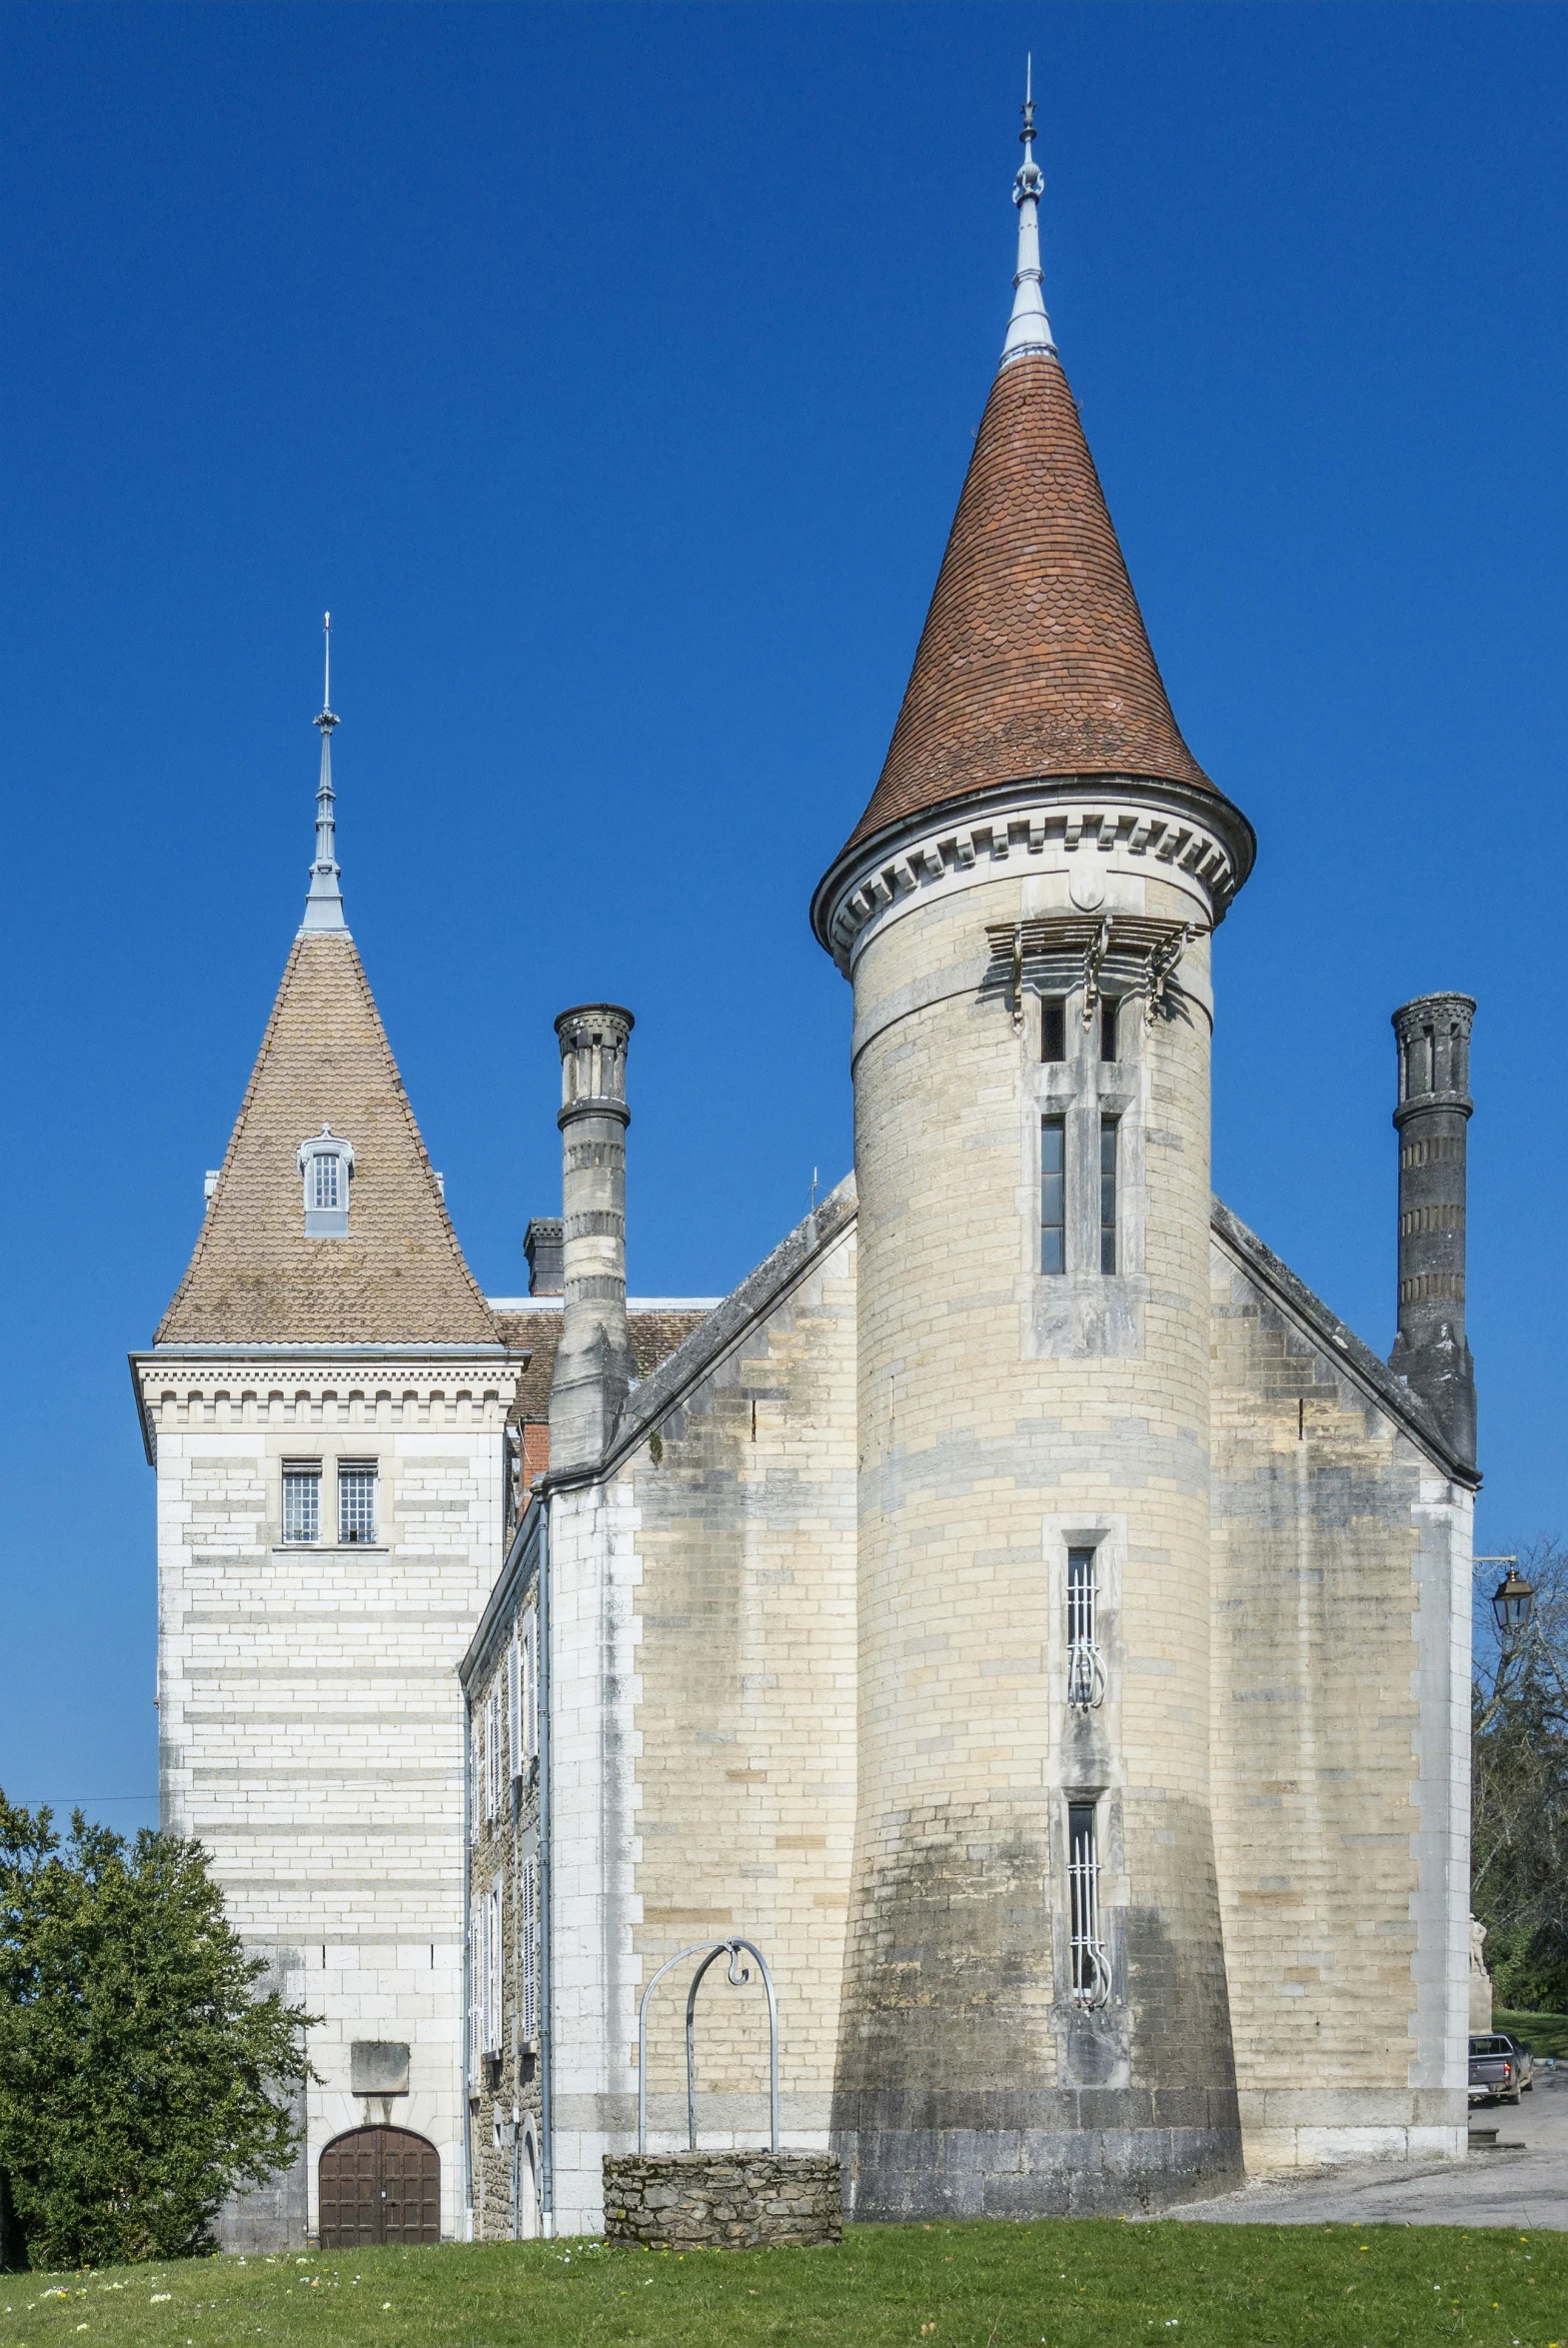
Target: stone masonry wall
(723,2200)
(1341,1627)
(745,1712)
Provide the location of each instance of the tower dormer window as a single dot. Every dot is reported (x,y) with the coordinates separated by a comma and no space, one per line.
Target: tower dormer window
(327,1166)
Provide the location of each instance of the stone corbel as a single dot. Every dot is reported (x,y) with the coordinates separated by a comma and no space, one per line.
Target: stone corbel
(1160,969)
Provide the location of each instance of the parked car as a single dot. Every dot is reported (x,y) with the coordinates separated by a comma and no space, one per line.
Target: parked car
(1501,2066)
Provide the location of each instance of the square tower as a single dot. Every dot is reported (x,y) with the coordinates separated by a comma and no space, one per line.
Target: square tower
(325,1406)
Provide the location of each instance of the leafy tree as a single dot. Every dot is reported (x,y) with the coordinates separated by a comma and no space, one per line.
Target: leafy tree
(1519,1799)
(142,2079)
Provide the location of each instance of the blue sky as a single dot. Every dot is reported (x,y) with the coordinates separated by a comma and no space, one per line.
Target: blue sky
(611,373)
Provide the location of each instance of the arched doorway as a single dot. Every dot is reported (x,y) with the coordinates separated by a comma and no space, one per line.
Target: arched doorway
(378,2185)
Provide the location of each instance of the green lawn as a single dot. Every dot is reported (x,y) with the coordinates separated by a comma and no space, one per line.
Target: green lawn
(947,2286)
(1546,2033)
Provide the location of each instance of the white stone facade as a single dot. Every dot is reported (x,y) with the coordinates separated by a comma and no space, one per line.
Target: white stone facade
(310,1716)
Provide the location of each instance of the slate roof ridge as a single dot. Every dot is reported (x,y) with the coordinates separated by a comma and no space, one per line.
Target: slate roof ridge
(1359,1361)
(205,1280)
(727,1324)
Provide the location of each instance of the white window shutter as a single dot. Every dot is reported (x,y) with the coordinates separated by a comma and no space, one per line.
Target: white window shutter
(492,2020)
(473,1989)
(531,1685)
(529,1935)
(475,1783)
(515,1706)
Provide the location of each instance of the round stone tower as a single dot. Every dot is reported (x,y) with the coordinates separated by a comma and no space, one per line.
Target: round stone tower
(1035,2015)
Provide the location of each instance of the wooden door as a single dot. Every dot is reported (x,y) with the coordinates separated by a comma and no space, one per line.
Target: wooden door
(378,2185)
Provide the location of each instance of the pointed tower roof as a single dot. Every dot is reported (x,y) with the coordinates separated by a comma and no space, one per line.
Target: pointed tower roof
(397,1276)
(1033,660)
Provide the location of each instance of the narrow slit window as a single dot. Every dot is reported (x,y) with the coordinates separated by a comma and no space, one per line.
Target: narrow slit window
(1053,1194)
(357,1500)
(1090,1970)
(1109,1013)
(302,1499)
(1107,1192)
(1086,1673)
(1054,1028)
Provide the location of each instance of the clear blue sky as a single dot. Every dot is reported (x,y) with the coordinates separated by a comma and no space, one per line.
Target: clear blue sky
(612,373)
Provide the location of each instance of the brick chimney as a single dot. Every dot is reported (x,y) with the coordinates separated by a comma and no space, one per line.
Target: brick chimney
(1430,1353)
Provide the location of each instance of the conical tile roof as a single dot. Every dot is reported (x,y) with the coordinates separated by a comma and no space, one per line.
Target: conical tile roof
(399,1277)
(1033,660)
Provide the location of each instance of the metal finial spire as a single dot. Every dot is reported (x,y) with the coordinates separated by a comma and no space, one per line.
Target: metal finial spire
(1028,329)
(324,898)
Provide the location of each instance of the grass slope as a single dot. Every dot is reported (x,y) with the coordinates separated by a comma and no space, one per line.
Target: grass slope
(1546,2033)
(944,2286)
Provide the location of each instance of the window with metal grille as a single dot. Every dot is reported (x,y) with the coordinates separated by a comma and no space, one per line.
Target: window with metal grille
(528,1926)
(1054,1028)
(355,1500)
(1053,1194)
(302,1499)
(1090,1970)
(1107,1192)
(1085,1674)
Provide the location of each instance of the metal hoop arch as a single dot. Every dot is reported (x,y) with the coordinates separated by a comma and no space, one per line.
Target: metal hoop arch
(709,1951)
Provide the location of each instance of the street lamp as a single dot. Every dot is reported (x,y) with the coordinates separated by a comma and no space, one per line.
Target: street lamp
(1512,1601)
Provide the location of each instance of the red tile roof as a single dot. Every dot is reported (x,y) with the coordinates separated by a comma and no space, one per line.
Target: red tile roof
(1033,660)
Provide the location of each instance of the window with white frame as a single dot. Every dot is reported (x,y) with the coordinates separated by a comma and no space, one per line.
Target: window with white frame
(1090,1969)
(326,1165)
(355,1500)
(514,1705)
(527,1929)
(531,1686)
(302,1499)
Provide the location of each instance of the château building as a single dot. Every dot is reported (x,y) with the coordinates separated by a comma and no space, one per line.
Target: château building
(1020,1610)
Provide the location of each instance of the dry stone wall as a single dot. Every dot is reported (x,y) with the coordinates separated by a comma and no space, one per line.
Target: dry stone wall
(723,2200)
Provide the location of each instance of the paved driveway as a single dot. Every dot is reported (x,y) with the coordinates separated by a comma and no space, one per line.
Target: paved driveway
(1526,2190)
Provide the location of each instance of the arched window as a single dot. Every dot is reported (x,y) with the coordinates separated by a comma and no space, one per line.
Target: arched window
(327,1167)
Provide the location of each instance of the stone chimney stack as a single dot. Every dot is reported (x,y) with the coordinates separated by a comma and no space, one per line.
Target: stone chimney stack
(541,1247)
(1430,1353)
(594,1362)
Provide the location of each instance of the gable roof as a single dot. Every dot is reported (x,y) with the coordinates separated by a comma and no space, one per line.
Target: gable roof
(399,1277)
(1033,660)
(1357,1360)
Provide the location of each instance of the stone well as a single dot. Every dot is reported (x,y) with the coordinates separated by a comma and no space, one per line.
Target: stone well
(723,2200)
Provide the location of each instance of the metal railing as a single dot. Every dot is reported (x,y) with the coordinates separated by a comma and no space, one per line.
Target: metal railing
(709,1951)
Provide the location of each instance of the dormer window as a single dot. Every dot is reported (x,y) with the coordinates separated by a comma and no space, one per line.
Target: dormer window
(327,1167)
